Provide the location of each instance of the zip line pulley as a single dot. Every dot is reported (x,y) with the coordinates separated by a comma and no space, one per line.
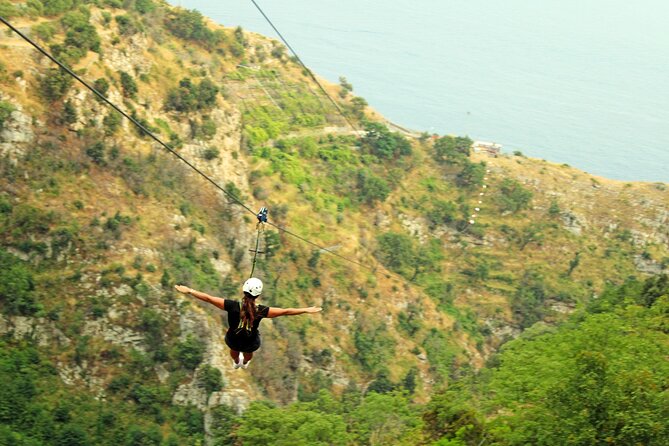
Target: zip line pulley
(260,226)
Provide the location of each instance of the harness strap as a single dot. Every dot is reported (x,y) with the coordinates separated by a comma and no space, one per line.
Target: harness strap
(241,326)
(260,228)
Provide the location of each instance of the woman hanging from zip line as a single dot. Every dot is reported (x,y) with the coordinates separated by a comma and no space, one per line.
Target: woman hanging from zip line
(244,318)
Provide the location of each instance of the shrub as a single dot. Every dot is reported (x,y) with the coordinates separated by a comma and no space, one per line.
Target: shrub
(207,129)
(442,212)
(5,206)
(33,8)
(471,175)
(371,187)
(144,6)
(44,31)
(346,87)
(67,54)
(6,110)
(189,353)
(512,196)
(27,220)
(450,149)
(152,325)
(8,10)
(236,49)
(527,303)
(97,152)
(382,383)
(239,36)
(358,106)
(383,143)
(554,209)
(441,352)
(385,419)
(69,113)
(16,286)
(410,321)
(263,423)
(141,436)
(188,97)
(210,154)
(211,378)
(189,25)
(80,33)
(102,86)
(55,84)
(190,421)
(54,7)
(374,347)
(127,26)
(112,122)
(128,84)
(71,435)
(396,252)
(451,417)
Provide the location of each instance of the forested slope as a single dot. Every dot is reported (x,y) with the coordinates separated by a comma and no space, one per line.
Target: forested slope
(98,222)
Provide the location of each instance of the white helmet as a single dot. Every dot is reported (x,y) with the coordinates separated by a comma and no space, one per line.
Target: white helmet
(253,286)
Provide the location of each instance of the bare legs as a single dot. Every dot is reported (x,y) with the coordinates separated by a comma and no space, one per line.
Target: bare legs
(235,356)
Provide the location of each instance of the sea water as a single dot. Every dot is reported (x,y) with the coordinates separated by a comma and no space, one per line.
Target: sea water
(582,82)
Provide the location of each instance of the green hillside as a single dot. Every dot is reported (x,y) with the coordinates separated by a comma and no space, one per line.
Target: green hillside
(421,306)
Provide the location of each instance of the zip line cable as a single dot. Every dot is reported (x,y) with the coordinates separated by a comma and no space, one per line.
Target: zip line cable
(167,147)
(341,112)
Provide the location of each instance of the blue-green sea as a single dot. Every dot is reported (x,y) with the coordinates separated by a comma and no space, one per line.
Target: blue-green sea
(583,82)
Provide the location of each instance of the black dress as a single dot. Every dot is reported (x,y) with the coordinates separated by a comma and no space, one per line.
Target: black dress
(239,337)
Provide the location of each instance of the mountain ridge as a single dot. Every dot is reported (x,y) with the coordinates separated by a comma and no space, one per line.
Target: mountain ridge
(104,223)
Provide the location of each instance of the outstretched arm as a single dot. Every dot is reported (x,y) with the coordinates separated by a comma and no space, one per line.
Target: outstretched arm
(220,303)
(276,312)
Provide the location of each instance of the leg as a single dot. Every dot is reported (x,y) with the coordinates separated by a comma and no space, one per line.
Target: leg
(234,354)
(247,357)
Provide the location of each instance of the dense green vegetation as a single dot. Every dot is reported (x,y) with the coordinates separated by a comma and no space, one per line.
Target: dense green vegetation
(97,225)
(189,25)
(598,379)
(37,409)
(190,97)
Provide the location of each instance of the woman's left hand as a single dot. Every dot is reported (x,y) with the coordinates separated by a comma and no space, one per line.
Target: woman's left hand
(182,289)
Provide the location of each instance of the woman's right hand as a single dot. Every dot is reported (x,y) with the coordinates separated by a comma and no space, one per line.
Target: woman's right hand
(182,289)
(313,309)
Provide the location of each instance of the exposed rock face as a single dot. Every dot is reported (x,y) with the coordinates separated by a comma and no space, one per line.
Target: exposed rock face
(415,226)
(658,225)
(130,58)
(39,329)
(502,330)
(16,134)
(206,328)
(114,334)
(561,307)
(572,223)
(646,265)
(74,374)
(381,220)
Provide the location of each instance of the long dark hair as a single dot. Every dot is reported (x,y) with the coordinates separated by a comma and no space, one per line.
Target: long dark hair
(248,312)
